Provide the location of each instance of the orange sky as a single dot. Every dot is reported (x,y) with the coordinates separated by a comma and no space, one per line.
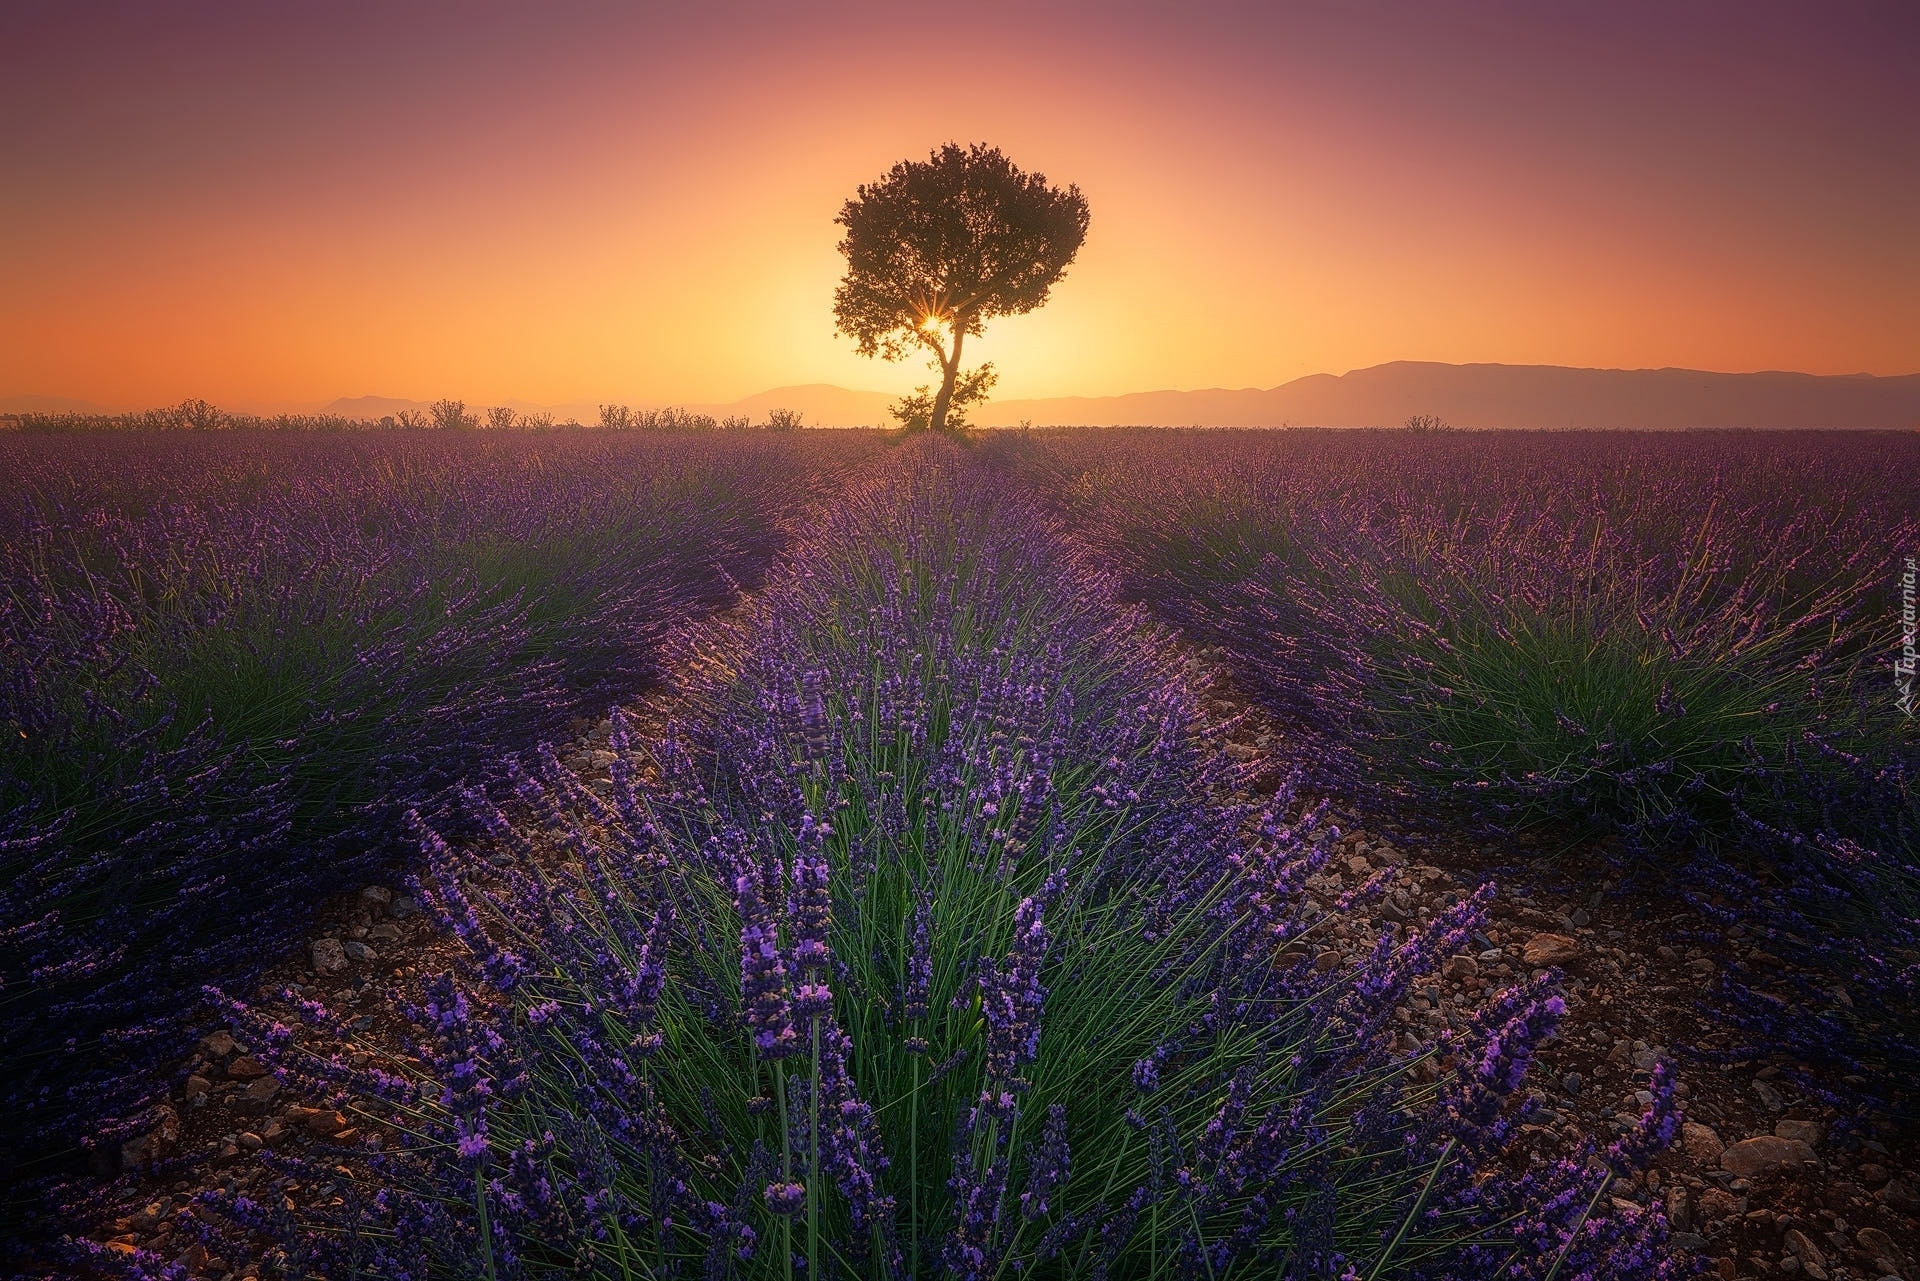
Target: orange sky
(277,204)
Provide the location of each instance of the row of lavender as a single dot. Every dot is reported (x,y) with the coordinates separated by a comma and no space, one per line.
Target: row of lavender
(931,943)
(228,664)
(1675,649)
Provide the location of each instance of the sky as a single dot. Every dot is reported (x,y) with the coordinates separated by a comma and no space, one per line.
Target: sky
(270,205)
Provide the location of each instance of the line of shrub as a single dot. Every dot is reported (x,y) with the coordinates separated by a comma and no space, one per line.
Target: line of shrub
(440,415)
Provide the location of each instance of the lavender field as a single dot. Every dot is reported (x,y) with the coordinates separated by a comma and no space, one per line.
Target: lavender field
(917,909)
(232,661)
(1673,654)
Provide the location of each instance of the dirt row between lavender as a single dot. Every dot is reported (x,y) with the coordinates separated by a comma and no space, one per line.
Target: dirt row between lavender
(1757,1185)
(367,959)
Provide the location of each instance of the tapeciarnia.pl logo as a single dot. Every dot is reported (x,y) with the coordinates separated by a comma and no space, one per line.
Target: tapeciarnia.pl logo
(1903,665)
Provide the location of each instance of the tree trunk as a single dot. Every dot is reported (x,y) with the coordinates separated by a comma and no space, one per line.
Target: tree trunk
(949,370)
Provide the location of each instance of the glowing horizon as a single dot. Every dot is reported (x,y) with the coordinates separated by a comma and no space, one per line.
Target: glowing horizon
(586,203)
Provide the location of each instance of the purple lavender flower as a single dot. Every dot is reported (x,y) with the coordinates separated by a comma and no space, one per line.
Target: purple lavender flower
(1047,1169)
(786,1199)
(1501,1064)
(813,715)
(913,1001)
(809,917)
(1011,996)
(1654,1130)
(763,976)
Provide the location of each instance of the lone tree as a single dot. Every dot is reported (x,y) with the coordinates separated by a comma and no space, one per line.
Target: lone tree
(937,248)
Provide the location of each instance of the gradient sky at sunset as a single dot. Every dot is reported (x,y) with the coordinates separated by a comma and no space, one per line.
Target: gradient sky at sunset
(274,204)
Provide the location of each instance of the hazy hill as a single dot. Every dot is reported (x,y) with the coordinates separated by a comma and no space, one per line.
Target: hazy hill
(1507,396)
(1387,395)
(1383,395)
(372,406)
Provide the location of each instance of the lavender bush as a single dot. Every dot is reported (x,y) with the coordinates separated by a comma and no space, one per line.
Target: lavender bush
(1675,649)
(933,943)
(232,661)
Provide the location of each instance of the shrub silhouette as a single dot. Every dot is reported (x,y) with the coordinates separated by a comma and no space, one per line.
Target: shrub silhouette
(451,415)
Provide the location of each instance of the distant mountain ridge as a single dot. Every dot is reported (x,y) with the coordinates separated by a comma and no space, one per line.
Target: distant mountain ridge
(1508,396)
(1477,395)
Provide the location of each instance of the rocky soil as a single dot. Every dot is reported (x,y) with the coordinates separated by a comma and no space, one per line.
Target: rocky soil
(1760,1184)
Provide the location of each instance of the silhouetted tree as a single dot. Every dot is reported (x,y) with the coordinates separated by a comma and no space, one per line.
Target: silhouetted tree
(936,249)
(198,415)
(451,415)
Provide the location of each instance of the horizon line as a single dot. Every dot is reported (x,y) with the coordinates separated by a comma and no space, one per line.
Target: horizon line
(79,404)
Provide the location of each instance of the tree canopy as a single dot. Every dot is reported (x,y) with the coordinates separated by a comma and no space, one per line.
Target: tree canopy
(938,247)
